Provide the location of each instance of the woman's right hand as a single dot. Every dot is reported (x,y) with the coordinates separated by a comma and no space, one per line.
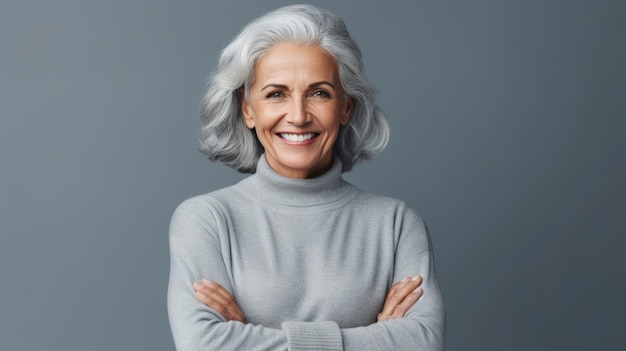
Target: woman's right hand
(215,296)
(401,296)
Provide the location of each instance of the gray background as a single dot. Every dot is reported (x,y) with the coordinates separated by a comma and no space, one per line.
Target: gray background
(507,117)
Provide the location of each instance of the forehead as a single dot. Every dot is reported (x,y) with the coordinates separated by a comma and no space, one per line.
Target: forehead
(291,61)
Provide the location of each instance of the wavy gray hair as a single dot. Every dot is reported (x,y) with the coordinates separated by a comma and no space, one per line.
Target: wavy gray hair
(224,136)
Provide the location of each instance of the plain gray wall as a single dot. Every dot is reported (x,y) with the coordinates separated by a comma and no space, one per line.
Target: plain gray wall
(508,121)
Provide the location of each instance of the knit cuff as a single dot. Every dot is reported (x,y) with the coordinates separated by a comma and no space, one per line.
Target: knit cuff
(304,336)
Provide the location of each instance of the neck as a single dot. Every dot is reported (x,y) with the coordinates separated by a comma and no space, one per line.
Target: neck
(269,186)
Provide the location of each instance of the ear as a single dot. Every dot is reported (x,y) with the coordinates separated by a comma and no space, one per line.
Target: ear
(246,110)
(345,116)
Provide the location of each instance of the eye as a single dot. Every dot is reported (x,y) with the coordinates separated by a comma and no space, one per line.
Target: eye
(321,93)
(274,94)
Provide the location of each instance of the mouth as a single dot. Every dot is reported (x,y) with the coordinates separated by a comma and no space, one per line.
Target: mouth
(297,137)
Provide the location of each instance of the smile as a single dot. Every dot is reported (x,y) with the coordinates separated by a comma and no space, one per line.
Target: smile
(297,137)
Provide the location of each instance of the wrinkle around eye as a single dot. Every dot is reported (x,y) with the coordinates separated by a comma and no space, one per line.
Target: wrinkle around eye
(321,94)
(274,95)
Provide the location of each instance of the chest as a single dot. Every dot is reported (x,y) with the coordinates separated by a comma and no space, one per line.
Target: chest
(310,266)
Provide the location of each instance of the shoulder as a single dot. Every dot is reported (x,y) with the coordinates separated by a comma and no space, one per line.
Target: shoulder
(215,201)
(205,211)
(386,205)
(200,204)
(393,212)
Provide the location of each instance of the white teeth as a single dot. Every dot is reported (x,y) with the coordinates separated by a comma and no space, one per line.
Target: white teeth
(297,137)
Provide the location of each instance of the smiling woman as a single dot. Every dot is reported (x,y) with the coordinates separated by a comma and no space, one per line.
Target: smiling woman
(296,106)
(294,257)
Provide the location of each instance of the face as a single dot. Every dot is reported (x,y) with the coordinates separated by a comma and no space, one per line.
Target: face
(297,105)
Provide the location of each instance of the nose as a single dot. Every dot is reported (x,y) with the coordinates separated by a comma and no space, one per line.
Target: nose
(298,114)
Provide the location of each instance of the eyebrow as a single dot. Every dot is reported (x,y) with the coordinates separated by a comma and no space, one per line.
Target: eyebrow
(312,85)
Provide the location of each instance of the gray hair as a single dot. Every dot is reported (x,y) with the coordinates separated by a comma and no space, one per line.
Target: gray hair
(224,136)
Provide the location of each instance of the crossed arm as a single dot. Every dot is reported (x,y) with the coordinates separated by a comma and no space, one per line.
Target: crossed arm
(401,296)
(208,320)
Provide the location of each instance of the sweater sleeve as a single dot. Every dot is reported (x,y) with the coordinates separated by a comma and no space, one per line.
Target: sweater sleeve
(423,326)
(195,253)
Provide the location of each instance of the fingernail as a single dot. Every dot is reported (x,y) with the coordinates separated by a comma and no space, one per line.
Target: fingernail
(418,290)
(415,278)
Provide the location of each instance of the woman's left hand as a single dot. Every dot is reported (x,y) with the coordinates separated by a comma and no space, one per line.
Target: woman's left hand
(401,296)
(215,296)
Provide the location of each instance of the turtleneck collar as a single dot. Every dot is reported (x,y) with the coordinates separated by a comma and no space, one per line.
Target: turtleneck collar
(267,186)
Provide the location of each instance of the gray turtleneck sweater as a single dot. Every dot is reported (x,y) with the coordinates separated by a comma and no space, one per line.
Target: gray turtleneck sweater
(309,262)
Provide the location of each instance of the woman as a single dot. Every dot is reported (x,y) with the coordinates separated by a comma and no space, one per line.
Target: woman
(293,257)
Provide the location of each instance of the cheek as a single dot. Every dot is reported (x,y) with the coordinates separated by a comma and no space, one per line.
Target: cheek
(257,118)
(269,114)
(329,116)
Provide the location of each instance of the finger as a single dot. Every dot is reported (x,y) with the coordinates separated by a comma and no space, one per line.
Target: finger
(213,286)
(211,295)
(215,291)
(407,303)
(387,311)
(207,300)
(399,294)
(393,288)
(215,296)
(228,311)
(210,301)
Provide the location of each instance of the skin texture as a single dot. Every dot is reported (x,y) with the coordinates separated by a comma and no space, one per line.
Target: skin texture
(296,90)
